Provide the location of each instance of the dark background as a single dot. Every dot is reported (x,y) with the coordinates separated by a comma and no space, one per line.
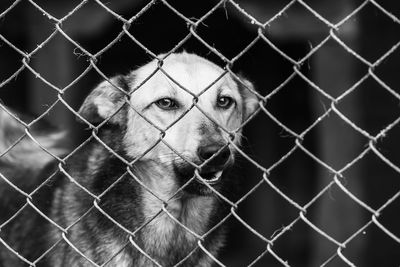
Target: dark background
(370,33)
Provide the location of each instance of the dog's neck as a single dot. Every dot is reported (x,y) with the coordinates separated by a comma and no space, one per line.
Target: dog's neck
(161,190)
(171,217)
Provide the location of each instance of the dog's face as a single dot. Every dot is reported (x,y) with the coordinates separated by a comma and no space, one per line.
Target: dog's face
(165,130)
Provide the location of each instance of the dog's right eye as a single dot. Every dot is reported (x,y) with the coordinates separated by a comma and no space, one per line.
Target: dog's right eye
(166,104)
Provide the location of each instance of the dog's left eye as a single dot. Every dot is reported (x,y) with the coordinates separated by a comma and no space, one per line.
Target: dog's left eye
(225,102)
(166,104)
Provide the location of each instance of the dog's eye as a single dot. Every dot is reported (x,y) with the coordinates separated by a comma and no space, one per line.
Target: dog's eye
(166,103)
(225,102)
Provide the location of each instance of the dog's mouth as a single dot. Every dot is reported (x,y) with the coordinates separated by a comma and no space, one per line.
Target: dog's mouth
(201,181)
(210,177)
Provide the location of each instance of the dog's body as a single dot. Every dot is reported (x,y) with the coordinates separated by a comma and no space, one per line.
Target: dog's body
(151,212)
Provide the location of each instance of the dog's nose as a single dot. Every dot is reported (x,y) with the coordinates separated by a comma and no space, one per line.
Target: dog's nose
(206,152)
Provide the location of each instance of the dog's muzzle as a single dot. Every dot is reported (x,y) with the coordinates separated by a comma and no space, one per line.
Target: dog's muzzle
(211,178)
(215,159)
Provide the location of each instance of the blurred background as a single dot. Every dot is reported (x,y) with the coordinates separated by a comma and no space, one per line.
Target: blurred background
(339,68)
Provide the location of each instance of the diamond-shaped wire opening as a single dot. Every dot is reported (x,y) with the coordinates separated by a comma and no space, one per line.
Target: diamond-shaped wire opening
(372,97)
(336,199)
(330,62)
(94,19)
(264,226)
(224,25)
(251,245)
(344,134)
(42,26)
(292,244)
(160,32)
(297,96)
(373,29)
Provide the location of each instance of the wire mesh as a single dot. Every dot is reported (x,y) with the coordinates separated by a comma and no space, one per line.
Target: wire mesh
(337,177)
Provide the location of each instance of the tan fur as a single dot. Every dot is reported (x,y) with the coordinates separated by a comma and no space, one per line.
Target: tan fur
(194,74)
(161,209)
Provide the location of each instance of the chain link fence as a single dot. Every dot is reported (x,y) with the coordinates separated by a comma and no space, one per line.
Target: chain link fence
(280,210)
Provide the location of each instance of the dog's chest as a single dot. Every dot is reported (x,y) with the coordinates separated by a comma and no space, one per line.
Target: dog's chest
(176,229)
(120,258)
(161,229)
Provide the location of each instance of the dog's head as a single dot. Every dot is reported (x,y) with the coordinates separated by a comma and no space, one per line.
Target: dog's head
(178,118)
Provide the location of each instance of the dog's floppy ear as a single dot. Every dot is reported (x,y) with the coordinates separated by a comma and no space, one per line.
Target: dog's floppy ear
(250,100)
(105,100)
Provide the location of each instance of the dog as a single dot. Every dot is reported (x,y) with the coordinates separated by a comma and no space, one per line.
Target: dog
(149,187)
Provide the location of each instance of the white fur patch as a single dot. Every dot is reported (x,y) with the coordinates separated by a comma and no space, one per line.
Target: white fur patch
(105,107)
(121,258)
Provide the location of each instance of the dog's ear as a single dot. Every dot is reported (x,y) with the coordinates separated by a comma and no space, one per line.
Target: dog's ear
(250,100)
(104,102)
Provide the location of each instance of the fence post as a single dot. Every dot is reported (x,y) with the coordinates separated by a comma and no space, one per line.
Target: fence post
(335,69)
